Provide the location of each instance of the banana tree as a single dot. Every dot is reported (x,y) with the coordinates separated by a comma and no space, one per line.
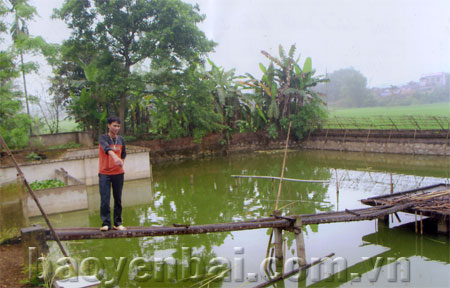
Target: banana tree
(285,87)
(228,98)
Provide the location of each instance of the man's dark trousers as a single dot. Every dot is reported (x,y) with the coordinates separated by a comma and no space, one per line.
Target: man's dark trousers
(106,181)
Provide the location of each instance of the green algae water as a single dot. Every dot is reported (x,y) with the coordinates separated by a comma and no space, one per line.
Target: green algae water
(202,191)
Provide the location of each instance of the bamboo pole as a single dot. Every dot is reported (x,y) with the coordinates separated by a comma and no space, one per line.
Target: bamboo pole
(293,272)
(337,182)
(421,223)
(279,178)
(284,254)
(279,232)
(283,167)
(38,204)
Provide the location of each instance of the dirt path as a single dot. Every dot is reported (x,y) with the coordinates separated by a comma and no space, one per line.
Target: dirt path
(11,264)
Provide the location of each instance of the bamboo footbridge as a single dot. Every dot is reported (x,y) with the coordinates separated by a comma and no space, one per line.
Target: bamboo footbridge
(432,201)
(284,222)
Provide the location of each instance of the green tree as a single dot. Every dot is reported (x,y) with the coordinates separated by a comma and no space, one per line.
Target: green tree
(13,122)
(182,104)
(228,98)
(23,43)
(19,31)
(285,93)
(130,31)
(347,88)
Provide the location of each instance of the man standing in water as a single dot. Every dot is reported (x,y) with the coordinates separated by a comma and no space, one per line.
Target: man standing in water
(110,173)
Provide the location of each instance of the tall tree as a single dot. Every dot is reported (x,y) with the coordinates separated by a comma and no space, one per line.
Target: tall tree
(22,12)
(182,104)
(13,123)
(347,88)
(131,31)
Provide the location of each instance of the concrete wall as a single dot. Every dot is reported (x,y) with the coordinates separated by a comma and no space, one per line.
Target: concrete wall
(81,164)
(60,199)
(71,197)
(387,147)
(426,142)
(83,138)
(423,142)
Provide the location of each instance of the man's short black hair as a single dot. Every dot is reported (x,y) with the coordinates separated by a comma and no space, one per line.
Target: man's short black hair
(112,119)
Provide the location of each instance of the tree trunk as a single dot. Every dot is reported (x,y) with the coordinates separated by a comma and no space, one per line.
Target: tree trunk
(25,91)
(122,106)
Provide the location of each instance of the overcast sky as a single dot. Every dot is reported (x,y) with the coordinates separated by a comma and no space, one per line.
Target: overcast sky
(389,41)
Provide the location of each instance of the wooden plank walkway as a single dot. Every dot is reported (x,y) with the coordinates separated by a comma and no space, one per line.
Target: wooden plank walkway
(433,201)
(272,222)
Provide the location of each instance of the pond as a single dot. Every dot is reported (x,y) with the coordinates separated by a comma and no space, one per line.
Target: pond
(202,191)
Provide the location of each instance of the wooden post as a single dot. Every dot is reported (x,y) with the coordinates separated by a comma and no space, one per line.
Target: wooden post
(337,190)
(278,232)
(444,225)
(415,220)
(34,244)
(383,220)
(151,172)
(300,242)
(392,185)
(337,182)
(367,140)
(421,223)
(284,255)
(278,245)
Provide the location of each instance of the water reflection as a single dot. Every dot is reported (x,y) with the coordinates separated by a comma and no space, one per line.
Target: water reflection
(12,207)
(202,192)
(401,262)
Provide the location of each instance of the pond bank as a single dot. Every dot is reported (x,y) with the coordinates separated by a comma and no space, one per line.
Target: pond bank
(429,142)
(11,264)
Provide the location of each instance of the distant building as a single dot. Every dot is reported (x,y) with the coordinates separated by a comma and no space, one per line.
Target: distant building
(427,83)
(433,80)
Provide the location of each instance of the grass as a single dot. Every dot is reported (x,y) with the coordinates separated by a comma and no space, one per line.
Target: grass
(419,117)
(435,109)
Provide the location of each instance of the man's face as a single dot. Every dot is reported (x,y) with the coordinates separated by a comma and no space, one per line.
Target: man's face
(114,128)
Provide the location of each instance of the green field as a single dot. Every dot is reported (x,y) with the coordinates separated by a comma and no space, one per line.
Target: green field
(435,109)
(426,116)
(417,117)
(64,126)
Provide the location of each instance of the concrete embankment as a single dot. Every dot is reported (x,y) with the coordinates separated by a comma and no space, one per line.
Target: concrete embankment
(81,164)
(425,142)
